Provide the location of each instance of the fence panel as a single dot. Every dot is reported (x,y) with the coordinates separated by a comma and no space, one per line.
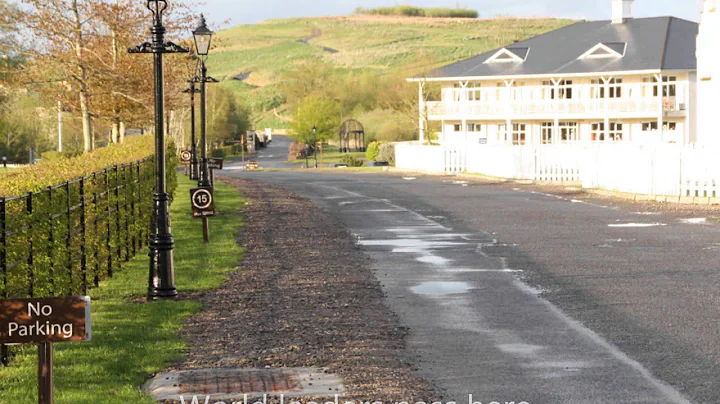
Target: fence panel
(67,238)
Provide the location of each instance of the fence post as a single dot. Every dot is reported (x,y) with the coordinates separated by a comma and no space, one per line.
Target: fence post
(128,239)
(30,260)
(51,242)
(108,244)
(117,212)
(83,231)
(133,196)
(96,255)
(141,233)
(4,354)
(68,240)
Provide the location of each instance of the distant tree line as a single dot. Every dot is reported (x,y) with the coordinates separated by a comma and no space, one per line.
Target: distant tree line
(410,11)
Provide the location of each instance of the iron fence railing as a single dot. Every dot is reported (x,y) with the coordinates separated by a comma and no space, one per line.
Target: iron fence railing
(67,238)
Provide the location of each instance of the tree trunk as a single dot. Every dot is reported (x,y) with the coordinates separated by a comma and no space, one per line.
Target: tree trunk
(82,79)
(122,132)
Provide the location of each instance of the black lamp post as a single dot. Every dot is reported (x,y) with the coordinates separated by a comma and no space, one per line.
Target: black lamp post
(203,38)
(194,163)
(315,149)
(307,152)
(162,268)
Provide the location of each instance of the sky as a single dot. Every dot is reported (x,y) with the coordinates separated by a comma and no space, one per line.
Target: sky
(252,11)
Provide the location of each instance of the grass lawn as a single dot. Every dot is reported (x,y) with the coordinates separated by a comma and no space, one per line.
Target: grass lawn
(331,157)
(132,341)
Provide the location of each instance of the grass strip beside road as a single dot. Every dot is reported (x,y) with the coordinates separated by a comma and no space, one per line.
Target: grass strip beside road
(133,340)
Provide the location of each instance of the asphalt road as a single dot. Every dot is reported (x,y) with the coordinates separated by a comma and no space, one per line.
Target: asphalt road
(512,295)
(273,156)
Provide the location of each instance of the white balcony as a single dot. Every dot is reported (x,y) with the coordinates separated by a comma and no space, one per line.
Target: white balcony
(636,101)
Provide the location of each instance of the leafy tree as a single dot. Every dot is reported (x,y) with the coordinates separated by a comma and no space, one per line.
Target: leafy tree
(318,111)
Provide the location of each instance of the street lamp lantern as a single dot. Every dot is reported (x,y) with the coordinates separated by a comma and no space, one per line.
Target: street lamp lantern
(161,282)
(203,37)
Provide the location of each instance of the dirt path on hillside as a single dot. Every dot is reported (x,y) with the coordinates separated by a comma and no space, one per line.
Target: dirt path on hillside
(304,296)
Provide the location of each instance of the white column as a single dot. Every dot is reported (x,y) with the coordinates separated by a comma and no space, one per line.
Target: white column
(661,106)
(423,111)
(606,85)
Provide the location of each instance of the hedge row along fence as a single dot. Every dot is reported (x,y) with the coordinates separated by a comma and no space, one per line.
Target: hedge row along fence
(64,238)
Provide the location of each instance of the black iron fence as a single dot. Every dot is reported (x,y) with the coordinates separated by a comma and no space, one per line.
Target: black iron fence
(67,238)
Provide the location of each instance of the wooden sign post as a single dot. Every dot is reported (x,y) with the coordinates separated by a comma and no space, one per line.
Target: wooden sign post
(185,159)
(214,163)
(203,206)
(44,322)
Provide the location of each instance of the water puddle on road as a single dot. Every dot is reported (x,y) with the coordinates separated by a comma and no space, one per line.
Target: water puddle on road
(441,288)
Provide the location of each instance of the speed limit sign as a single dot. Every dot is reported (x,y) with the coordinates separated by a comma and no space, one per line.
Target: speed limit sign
(185,156)
(203,203)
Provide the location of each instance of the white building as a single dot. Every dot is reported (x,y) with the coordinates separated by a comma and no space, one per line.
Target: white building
(621,80)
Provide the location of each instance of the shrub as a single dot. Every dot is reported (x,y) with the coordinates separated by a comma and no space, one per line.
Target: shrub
(72,225)
(387,153)
(52,156)
(352,161)
(296,151)
(372,151)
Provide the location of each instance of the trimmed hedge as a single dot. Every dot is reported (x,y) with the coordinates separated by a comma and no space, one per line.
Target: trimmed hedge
(56,171)
(74,221)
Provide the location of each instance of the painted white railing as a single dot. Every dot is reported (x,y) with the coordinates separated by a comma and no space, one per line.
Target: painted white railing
(666,169)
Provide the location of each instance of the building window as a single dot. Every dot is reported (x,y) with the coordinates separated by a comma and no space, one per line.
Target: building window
(457,127)
(670,126)
(474,127)
(517,91)
(614,88)
(502,135)
(457,92)
(648,126)
(649,87)
(498,91)
(474,92)
(565,91)
(669,86)
(547,132)
(548,90)
(519,134)
(569,132)
(615,132)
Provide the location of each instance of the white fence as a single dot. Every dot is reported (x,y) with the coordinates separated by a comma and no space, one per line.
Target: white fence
(670,170)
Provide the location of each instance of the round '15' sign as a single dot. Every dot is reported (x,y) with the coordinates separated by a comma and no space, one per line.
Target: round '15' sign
(203,202)
(185,156)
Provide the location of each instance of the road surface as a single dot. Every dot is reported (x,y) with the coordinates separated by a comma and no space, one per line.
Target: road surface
(513,295)
(273,156)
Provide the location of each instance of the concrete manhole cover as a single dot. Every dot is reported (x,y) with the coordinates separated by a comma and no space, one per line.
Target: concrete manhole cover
(238,384)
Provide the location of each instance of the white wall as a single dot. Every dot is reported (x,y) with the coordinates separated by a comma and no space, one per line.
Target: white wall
(708,76)
(662,169)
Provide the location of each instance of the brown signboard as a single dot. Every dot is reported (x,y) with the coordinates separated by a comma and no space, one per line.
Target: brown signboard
(61,319)
(185,157)
(203,202)
(215,163)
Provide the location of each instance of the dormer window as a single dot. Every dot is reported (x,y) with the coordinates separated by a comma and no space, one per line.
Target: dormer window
(509,55)
(606,50)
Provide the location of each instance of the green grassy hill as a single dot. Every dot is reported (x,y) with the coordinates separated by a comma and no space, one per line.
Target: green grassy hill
(270,50)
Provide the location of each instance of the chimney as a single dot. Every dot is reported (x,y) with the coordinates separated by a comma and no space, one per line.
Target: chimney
(621,11)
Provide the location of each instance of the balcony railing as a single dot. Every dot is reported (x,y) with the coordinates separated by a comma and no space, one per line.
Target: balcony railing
(563,108)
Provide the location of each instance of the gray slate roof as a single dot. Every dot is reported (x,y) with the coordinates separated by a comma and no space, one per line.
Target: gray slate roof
(666,43)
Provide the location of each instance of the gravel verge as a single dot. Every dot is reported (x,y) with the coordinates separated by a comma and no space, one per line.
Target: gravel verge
(304,296)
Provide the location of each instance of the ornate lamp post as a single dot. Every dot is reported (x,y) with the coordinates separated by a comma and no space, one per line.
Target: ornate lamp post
(315,149)
(203,38)
(194,163)
(162,267)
